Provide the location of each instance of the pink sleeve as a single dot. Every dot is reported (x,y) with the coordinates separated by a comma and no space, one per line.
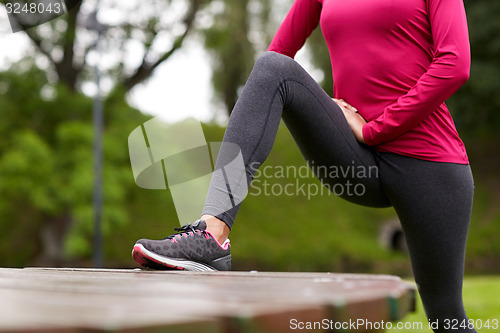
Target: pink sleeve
(301,20)
(448,70)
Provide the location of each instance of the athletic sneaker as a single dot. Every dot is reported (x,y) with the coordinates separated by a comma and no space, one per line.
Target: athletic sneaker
(193,248)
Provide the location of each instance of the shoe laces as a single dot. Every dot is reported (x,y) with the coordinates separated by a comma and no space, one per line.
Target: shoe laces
(186,230)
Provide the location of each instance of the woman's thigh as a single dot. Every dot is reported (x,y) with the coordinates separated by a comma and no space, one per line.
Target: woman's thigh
(434,202)
(321,132)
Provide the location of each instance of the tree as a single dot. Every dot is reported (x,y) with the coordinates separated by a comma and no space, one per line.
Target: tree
(228,40)
(153,31)
(46,162)
(46,168)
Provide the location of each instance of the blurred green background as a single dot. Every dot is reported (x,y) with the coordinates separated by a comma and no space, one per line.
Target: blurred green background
(46,176)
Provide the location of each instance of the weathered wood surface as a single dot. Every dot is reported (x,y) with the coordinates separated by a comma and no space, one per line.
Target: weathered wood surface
(85,300)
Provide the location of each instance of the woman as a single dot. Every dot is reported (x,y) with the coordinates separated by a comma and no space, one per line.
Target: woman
(394,64)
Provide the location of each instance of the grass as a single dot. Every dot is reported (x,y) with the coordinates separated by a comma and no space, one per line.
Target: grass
(482,302)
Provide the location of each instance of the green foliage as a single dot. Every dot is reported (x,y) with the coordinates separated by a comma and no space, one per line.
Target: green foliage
(22,166)
(476,104)
(46,167)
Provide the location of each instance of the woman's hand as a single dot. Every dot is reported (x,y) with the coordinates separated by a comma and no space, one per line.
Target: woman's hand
(353,118)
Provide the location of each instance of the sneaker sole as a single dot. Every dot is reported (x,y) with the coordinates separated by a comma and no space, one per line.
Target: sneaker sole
(147,262)
(152,260)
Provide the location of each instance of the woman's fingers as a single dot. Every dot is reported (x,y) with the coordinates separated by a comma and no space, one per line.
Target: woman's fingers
(348,106)
(342,103)
(354,119)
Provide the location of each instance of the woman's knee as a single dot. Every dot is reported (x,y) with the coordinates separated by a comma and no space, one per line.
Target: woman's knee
(273,62)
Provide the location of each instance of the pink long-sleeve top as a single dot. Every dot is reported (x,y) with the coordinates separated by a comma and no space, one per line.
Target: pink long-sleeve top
(395,61)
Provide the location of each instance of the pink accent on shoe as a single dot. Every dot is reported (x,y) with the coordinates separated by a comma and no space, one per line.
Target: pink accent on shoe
(174,240)
(139,256)
(225,246)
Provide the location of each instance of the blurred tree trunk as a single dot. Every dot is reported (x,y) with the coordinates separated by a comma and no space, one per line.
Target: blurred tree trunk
(233,54)
(53,232)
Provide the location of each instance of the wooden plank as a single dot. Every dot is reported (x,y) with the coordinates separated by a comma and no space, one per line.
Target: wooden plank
(81,300)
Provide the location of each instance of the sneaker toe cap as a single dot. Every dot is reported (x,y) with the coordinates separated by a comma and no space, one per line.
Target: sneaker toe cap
(147,243)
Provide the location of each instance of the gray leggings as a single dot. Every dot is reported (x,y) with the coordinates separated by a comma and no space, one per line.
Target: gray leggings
(433,200)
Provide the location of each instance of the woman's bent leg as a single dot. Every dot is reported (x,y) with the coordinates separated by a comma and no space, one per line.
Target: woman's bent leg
(434,202)
(278,86)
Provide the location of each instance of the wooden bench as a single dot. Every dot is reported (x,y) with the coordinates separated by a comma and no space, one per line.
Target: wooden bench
(83,300)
